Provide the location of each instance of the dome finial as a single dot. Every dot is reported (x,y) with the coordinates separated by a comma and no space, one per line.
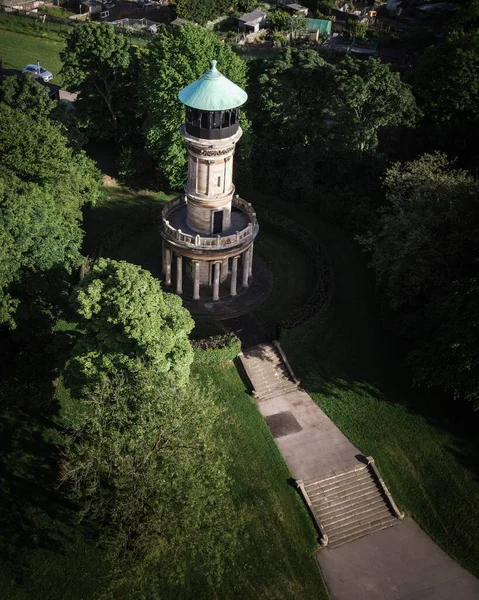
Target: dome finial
(213,64)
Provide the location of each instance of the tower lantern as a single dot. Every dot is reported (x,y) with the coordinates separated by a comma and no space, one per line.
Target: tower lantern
(209,232)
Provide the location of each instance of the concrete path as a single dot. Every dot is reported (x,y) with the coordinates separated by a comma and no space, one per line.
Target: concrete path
(401,562)
(317,448)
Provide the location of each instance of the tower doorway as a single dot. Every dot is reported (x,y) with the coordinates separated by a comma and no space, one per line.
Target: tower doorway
(218,221)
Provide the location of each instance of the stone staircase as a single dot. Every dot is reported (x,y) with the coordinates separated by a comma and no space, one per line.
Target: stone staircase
(350,504)
(268,371)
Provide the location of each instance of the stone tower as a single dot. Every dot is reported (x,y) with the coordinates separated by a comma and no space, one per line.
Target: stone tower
(208,232)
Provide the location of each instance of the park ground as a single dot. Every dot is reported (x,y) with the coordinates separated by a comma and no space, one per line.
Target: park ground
(352,365)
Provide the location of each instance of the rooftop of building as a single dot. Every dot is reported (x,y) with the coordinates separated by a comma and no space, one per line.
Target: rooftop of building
(256,15)
(213,92)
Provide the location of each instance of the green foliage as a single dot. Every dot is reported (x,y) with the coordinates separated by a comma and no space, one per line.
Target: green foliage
(27,96)
(95,61)
(426,231)
(36,151)
(176,58)
(246,6)
(35,237)
(316,129)
(424,252)
(446,79)
(366,97)
(356,29)
(284,22)
(199,11)
(448,352)
(218,348)
(128,322)
(466,17)
(149,469)
(43,186)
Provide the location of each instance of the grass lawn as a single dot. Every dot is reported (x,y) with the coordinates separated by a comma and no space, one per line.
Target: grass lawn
(45,554)
(120,207)
(351,365)
(279,539)
(288,264)
(19,49)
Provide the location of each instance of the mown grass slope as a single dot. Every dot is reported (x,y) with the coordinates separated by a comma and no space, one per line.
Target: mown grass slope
(353,367)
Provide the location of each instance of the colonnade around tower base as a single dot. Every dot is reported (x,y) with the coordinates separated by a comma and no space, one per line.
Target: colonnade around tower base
(173,262)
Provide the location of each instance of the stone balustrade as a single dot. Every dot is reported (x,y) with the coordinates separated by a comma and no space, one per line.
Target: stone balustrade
(211,241)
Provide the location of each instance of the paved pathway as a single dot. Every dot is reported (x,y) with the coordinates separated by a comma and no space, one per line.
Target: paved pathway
(401,562)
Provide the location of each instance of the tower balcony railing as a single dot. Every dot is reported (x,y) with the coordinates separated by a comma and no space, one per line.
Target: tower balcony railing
(210,241)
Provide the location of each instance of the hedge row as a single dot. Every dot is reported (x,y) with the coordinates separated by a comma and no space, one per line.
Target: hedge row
(217,348)
(322,265)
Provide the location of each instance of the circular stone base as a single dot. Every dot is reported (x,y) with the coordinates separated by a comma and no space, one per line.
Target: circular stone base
(246,299)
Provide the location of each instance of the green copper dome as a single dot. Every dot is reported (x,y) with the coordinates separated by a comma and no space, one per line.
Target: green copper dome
(213,91)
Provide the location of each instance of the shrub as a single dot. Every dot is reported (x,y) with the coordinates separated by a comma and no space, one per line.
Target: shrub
(217,348)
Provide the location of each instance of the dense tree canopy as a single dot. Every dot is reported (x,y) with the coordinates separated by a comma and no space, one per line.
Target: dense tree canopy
(146,462)
(316,126)
(43,187)
(427,231)
(128,321)
(95,63)
(26,95)
(425,253)
(446,353)
(176,58)
(367,96)
(447,79)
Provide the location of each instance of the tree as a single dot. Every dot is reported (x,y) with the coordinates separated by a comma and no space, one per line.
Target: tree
(446,84)
(282,21)
(146,462)
(427,232)
(446,79)
(95,61)
(316,125)
(36,151)
(26,95)
(35,237)
(199,11)
(466,16)
(446,354)
(366,97)
(176,58)
(43,186)
(425,253)
(128,322)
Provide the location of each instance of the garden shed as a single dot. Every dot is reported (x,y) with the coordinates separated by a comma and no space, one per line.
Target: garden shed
(252,22)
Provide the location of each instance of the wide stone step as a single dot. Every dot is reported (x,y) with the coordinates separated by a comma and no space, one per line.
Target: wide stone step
(338,483)
(282,391)
(351,509)
(365,514)
(346,487)
(324,505)
(335,542)
(347,528)
(334,478)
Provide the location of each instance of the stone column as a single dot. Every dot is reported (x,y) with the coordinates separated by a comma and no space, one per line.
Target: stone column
(196,280)
(216,281)
(251,260)
(163,259)
(234,275)
(245,268)
(168,266)
(179,274)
